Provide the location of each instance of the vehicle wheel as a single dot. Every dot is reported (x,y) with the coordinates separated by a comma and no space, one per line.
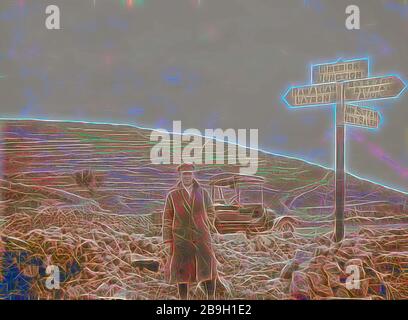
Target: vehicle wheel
(284,225)
(287,227)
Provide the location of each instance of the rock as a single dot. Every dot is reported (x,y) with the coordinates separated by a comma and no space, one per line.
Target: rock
(333,273)
(324,240)
(235,238)
(319,285)
(302,256)
(143,263)
(341,292)
(367,232)
(300,287)
(224,286)
(102,289)
(321,251)
(288,270)
(266,241)
(319,260)
(287,235)
(348,243)
(150,265)
(346,252)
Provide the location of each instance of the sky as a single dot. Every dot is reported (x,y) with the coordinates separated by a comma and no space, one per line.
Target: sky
(210,64)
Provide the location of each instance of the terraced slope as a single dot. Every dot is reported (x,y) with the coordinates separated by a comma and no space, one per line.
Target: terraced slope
(49,154)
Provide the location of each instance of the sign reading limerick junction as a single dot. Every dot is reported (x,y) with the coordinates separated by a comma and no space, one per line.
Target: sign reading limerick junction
(340,71)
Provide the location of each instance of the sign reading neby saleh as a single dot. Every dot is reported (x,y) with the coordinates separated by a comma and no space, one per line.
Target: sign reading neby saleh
(362,117)
(337,83)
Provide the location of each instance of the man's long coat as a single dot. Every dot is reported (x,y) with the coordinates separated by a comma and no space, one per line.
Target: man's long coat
(187,222)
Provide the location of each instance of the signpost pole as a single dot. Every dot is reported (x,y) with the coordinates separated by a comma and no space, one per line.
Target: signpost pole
(340,166)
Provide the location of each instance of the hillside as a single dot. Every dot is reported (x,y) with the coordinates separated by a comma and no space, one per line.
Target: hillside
(50,154)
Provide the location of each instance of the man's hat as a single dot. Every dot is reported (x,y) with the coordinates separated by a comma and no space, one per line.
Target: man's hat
(186,167)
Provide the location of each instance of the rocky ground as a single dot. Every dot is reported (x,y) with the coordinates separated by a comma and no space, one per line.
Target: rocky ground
(97,254)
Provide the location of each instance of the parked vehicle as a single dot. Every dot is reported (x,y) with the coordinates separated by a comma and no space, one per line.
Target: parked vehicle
(239,205)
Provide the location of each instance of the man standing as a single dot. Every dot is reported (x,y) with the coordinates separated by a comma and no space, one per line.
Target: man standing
(187,221)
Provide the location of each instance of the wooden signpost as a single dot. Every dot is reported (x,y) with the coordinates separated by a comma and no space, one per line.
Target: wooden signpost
(338,83)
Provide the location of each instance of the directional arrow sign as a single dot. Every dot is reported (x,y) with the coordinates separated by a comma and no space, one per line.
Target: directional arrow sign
(373,88)
(311,95)
(360,116)
(340,71)
(384,87)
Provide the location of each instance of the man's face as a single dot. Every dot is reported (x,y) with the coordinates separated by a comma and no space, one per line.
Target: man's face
(187,178)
